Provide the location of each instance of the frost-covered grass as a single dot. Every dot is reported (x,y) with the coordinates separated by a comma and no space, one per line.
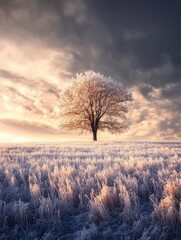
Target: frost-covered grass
(91,191)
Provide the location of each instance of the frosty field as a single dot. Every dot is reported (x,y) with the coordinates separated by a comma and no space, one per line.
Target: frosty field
(91,191)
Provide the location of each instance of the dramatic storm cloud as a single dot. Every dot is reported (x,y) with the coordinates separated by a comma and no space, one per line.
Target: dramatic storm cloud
(44,43)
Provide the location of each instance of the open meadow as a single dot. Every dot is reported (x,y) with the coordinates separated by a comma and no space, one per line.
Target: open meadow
(88,191)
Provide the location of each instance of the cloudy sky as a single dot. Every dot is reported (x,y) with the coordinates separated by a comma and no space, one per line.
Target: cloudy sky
(45,43)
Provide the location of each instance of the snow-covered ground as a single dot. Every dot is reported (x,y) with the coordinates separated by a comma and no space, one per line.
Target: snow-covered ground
(90,191)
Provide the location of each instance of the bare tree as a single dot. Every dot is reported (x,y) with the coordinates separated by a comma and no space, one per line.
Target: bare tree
(94,102)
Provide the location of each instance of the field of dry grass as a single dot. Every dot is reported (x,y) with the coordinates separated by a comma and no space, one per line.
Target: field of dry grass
(90,191)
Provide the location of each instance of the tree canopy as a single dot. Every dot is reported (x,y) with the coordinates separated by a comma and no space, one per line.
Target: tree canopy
(93,102)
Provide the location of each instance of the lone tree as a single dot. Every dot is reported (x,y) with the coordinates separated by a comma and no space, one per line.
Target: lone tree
(94,102)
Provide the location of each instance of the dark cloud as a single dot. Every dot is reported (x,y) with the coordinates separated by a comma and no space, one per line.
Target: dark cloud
(25,126)
(148,31)
(8,75)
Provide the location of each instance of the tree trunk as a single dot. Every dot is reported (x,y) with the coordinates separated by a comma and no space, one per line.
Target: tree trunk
(94,135)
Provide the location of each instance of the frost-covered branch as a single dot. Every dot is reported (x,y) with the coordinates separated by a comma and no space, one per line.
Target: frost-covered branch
(93,101)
